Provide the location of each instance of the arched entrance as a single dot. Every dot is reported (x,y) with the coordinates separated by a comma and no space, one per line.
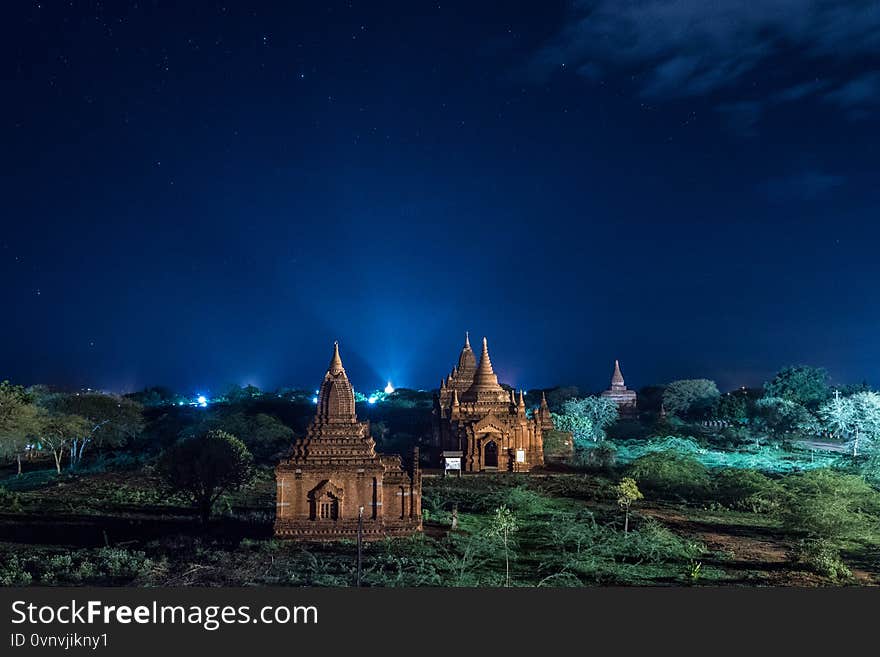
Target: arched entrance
(490,455)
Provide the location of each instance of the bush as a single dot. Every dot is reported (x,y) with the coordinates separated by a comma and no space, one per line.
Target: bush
(557,444)
(822,558)
(747,490)
(830,505)
(601,457)
(671,474)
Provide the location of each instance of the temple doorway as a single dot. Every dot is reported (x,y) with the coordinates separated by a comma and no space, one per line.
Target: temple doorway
(490,456)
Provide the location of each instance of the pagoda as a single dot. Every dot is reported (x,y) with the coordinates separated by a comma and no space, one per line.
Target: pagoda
(335,481)
(625,399)
(473,414)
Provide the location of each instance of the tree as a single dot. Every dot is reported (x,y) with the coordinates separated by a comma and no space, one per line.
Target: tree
(206,466)
(263,434)
(627,493)
(732,407)
(690,397)
(579,426)
(587,418)
(856,417)
(58,431)
(19,418)
(113,420)
(155,396)
(782,416)
(801,384)
(556,397)
(503,525)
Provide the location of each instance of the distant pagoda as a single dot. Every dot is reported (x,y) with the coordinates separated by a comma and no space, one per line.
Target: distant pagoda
(335,474)
(625,399)
(473,414)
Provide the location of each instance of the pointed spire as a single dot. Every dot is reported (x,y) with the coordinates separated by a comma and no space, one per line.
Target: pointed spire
(544,400)
(617,377)
(467,340)
(336,361)
(485,362)
(522,401)
(454,397)
(336,396)
(513,397)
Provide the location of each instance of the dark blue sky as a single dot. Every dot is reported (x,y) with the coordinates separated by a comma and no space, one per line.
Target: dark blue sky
(208,192)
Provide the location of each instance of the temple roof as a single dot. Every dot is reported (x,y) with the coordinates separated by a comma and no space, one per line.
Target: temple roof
(336,396)
(485,381)
(466,360)
(617,377)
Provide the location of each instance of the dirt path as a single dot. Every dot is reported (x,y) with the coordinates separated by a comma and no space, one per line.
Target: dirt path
(754,556)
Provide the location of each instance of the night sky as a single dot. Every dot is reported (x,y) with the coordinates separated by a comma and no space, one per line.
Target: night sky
(200,193)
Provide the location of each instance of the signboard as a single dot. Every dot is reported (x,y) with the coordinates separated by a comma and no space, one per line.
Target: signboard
(452,461)
(520,456)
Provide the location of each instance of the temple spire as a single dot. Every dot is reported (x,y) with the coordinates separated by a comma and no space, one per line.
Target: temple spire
(522,401)
(336,396)
(617,377)
(543,400)
(467,340)
(336,361)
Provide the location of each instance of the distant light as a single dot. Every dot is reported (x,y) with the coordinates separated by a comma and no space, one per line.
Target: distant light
(315,399)
(371,399)
(202,400)
(389,388)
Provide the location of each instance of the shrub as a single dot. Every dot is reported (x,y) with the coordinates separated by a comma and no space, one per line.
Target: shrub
(671,474)
(601,457)
(822,558)
(747,490)
(526,502)
(830,505)
(14,572)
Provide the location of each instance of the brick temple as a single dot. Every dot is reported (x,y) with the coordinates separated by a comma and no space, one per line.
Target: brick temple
(489,425)
(626,399)
(335,474)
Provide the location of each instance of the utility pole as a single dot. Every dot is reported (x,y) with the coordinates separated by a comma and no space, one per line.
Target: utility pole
(360,542)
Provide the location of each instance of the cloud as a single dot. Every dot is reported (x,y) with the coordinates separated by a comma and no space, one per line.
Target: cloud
(858,96)
(688,48)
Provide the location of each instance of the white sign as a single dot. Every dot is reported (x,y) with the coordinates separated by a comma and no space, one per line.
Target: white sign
(520,456)
(452,462)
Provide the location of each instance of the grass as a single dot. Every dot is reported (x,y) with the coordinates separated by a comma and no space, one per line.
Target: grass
(119,528)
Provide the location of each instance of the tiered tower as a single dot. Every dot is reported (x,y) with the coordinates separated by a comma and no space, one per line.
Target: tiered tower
(335,475)
(489,425)
(626,399)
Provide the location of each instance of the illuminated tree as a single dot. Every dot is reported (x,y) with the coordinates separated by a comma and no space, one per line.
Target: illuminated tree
(503,526)
(627,493)
(693,397)
(586,419)
(113,420)
(804,385)
(19,418)
(856,418)
(782,416)
(206,466)
(58,431)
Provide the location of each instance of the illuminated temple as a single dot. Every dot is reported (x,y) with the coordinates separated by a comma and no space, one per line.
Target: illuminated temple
(489,425)
(625,399)
(335,474)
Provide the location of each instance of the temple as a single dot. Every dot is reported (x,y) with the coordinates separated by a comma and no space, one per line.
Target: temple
(626,399)
(489,425)
(335,475)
